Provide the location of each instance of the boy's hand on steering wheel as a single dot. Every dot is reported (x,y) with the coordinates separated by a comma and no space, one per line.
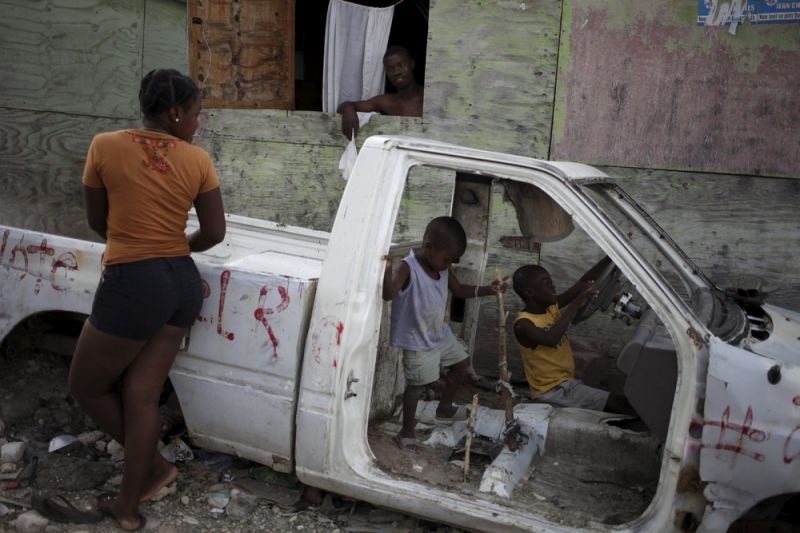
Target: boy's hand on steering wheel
(587,294)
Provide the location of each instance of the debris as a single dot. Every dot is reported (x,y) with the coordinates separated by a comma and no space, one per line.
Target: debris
(115,450)
(60,509)
(12,452)
(177,450)
(219,498)
(4,510)
(268,475)
(30,522)
(241,503)
(61,441)
(14,502)
(90,438)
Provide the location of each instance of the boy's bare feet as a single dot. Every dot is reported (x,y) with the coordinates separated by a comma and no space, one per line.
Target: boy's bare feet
(452,412)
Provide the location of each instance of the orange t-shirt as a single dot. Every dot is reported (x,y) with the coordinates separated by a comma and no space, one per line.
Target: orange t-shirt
(152,180)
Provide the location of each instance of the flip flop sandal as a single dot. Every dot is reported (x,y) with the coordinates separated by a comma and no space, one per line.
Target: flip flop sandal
(59,509)
(107,497)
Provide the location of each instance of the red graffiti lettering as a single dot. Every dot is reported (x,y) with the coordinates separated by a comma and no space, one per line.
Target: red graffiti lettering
(262,312)
(43,250)
(224,278)
(13,260)
(739,432)
(793,440)
(320,340)
(66,261)
(3,244)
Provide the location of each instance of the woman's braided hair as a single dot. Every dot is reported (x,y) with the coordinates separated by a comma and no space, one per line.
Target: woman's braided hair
(165,88)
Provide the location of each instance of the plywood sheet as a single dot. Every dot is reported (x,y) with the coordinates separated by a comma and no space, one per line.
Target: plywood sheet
(72,57)
(640,85)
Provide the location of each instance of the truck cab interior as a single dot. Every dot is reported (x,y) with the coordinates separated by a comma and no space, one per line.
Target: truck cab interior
(585,466)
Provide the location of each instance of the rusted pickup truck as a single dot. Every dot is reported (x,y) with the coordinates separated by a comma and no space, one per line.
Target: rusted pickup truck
(288,364)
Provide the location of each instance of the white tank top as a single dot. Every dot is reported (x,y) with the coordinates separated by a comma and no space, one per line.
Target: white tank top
(418,310)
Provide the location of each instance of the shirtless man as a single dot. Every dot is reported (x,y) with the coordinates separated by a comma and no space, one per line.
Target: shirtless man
(406,102)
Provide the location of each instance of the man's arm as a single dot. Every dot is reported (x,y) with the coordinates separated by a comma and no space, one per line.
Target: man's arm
(460,290)
(96,200)
(394,282)
(530,336)
(567,296)
(350,118)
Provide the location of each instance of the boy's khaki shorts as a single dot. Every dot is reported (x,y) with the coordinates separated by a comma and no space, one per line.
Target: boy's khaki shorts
(574,393)
(422,368)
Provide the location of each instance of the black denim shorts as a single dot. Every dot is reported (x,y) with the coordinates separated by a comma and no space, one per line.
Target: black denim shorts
(133,300)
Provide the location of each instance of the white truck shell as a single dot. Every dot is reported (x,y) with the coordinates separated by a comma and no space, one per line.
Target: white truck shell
(278,367)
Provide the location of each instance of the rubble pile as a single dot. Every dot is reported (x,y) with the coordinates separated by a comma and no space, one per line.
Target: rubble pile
(49,447)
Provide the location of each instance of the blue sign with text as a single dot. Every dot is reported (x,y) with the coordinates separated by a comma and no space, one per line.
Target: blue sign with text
(725,12)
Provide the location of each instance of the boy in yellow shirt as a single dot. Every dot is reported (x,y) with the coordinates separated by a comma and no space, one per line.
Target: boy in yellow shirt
(540,328)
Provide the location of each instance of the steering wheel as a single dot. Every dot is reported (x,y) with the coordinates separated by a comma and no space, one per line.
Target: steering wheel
(606,285)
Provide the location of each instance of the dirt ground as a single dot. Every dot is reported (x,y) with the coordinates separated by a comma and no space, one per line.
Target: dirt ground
(214,491)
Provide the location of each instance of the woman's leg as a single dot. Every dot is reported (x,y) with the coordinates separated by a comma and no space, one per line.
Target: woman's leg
(142,383)
(98,364)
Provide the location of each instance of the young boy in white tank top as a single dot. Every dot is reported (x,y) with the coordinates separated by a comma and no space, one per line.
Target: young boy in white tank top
(418,291)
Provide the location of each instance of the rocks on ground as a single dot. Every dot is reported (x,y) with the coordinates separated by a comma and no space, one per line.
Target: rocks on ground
(214,491)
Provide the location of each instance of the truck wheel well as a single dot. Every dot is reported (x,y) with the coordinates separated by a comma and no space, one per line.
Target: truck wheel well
(52,331)
(778,513)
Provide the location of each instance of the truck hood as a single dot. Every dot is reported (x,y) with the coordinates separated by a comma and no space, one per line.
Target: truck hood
(783,344)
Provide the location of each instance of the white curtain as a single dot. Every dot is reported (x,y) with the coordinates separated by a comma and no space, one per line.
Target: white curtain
(355,41)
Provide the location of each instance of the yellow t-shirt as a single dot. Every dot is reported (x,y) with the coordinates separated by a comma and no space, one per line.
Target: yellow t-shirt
(152,180)
(546,366)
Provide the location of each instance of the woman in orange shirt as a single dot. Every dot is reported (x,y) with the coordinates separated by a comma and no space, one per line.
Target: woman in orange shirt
(139,185)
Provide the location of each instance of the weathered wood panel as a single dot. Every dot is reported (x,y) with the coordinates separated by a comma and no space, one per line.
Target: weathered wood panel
(41,163)
(288,183)
(242,53)
(491,66)
(166,38)
(73,57)
(641,85)
(44,153)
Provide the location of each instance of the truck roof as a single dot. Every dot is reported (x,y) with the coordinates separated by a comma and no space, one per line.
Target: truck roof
(578,173)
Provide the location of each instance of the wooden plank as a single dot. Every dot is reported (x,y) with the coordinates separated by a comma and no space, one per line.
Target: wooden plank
(44,153)
(166,36)
(82,58)
(242,53)
(676,95)
(491,67)
(264,180)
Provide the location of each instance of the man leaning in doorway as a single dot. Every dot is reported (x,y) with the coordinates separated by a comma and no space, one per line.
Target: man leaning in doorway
(406,102)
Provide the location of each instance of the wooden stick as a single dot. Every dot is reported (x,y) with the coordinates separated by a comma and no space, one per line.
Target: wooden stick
(502,363)
(473,413)
(14,502)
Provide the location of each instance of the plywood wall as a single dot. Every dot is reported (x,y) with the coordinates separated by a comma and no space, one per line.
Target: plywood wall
(71,70)
(641,85)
